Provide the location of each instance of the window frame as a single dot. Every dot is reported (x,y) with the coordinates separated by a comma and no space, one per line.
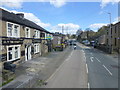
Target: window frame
(29,33)
(37,34)
(36,48)
(13,52)
(13,30)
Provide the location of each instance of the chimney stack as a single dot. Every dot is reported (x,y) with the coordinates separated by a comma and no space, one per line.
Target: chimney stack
(21,15)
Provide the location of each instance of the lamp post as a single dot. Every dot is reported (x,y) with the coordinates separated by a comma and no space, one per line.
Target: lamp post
(62,38)
(111,47)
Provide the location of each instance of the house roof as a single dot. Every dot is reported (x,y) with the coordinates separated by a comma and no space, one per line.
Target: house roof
(11,17)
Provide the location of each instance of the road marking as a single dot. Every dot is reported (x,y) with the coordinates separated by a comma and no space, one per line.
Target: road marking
(98,60)
(87,68)
(59,67)
(69,56)
(84,55)
(107,70)
(88,85)
(91,58)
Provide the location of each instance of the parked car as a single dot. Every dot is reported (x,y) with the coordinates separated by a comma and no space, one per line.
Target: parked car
(86,42)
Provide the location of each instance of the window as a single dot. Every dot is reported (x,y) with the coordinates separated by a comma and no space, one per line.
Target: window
(37,34)
(27,32)
(115,41)
(42,35)
(111,31)
(115,29)
(16,52)
(16,30)
(10,29)
(107,32)
(13,52)
(36,48)
(107,41)
(13,30)
(10,53)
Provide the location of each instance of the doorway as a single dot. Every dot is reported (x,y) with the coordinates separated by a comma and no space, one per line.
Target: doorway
(27,53)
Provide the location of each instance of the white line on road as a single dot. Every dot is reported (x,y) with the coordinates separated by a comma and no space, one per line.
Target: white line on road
(87,68)
(84,55)
(107,70)
(88,85)
(91,58)
(98,60)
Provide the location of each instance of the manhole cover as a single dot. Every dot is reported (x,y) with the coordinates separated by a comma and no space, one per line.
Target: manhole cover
(115,66)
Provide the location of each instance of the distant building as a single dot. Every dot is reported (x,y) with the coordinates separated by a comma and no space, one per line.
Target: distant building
(102,40)
(59,40)
(113,37)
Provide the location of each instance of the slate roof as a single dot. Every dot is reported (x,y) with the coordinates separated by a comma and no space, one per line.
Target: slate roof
(11,17)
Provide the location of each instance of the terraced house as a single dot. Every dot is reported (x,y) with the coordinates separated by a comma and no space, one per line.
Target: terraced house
(113,37)
(22,39)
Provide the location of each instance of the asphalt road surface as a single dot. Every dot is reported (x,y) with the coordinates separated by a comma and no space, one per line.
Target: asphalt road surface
(72,73)
(86,68)
(102,68)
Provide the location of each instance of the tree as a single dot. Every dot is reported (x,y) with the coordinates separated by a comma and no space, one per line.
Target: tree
(73,36)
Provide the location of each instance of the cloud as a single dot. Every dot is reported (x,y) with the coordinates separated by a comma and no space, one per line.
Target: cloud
(31,17)
(96,26)
(58,3)
(35,19)
(11,4)
(18,3)
(105,2)
(116,20)
(68,28)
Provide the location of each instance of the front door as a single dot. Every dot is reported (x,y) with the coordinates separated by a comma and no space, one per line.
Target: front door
(27,53)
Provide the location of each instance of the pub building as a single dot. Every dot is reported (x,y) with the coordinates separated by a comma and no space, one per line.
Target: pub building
(22,39)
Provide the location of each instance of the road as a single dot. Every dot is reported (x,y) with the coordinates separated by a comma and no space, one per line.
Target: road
(71,74)
(86,68)
(102,68)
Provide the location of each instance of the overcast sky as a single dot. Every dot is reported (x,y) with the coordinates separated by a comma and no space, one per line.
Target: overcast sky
(53,14)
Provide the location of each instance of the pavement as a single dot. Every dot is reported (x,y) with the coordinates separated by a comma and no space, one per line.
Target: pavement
(28,73)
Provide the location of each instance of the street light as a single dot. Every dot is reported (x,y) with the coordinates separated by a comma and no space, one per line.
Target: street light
(62,37)
(111,48)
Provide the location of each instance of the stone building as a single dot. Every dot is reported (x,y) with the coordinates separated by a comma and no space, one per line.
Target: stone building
(113,37)
(21,39)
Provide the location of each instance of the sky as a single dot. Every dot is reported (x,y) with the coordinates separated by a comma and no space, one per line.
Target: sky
(55,15)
